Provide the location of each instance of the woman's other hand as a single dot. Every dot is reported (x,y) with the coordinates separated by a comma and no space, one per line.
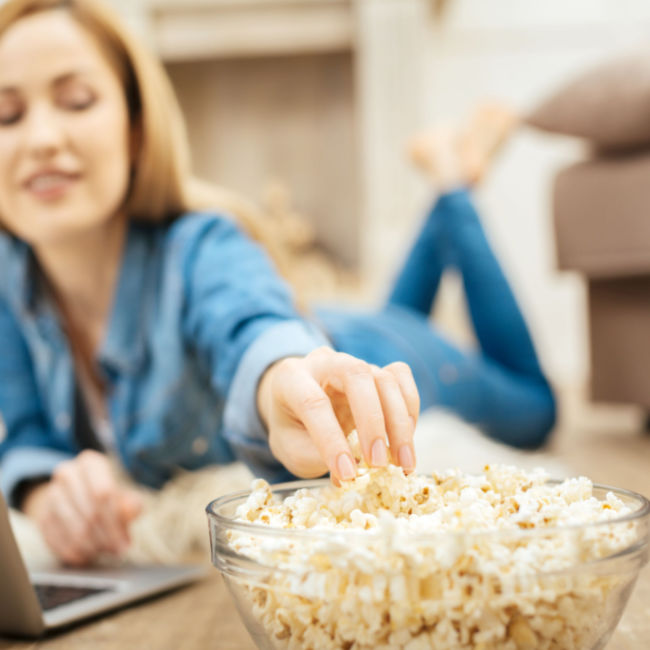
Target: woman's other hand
(81,511)
(310,404)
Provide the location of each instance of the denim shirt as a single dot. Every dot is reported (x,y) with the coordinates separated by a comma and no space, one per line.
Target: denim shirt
(198,315)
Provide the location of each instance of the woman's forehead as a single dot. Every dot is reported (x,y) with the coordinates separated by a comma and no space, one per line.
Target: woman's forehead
(47,46)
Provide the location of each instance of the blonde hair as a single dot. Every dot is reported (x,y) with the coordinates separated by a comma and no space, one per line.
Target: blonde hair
(162,186)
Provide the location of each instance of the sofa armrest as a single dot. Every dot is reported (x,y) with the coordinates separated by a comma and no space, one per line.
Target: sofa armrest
(602,216)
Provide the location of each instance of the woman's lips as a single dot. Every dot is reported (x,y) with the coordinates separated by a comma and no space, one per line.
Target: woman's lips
(50,185)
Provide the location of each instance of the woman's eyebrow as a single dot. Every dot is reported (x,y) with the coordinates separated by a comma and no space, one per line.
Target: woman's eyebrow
(57,81)
(67,76)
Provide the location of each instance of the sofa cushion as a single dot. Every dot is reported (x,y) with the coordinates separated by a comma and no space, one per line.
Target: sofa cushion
(608,105)
(602,216)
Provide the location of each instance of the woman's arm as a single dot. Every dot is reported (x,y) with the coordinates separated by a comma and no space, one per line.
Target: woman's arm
(241,318)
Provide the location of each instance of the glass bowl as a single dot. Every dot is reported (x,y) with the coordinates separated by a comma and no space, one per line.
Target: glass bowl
(356,590)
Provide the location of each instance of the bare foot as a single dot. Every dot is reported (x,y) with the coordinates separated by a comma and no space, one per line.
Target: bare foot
(453,156)
(483,136)
(437,153)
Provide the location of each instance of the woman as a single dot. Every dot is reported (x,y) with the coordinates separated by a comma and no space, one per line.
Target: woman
(134,326)
(126,330)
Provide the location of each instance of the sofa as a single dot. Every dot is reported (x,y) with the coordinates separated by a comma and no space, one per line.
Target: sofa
(601,213)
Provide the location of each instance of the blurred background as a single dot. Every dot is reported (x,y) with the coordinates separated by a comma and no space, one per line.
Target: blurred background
(306,105)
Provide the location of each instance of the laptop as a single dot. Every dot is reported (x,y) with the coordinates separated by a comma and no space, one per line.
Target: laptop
(34,603)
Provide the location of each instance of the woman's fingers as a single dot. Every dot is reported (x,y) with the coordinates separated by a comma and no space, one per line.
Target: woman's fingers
(366,407)
(404,377)
(398,420)
(401,434)
(69,477)
(44,507)
(308,402)
(130,506)
(316,394)
(105,496)
(65,531)
(355,378)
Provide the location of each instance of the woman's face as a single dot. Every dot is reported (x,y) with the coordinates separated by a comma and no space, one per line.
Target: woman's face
(64,130)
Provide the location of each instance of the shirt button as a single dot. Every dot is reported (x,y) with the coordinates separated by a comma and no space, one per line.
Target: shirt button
(199,446)
(62,421)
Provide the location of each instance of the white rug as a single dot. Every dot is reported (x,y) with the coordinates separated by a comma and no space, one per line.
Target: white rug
(443,441)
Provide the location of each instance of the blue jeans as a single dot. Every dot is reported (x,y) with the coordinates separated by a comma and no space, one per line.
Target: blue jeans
(500,387)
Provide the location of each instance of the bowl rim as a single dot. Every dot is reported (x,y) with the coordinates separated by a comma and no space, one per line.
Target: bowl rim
(371,535)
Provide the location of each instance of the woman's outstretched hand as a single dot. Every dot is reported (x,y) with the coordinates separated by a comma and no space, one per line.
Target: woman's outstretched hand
(81,511)
(310,404)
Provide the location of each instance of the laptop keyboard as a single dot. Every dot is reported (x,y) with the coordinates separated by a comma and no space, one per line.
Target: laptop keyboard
(51,596)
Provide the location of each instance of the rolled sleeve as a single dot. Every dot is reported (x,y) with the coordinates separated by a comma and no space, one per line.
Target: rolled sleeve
(25,464)
(243,426)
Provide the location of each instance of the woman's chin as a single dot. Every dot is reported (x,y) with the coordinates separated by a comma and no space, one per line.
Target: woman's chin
(57,229)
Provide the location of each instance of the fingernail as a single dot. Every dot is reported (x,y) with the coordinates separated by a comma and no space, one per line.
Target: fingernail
(379,453)
(406,458)
(345,467)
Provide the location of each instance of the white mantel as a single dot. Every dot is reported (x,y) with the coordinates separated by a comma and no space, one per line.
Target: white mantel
(232,28)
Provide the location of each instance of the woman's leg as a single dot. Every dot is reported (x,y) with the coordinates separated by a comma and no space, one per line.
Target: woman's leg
(512,379)
(497,319)
(417,283)
(502,388)
(453,234)
(451,158)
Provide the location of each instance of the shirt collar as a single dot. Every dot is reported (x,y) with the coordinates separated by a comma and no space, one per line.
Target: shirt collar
(22,276)
(28,290)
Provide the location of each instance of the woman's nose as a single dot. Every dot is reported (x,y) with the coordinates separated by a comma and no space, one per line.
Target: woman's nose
(44,132)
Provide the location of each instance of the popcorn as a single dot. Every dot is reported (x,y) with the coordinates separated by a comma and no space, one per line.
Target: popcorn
(447,561)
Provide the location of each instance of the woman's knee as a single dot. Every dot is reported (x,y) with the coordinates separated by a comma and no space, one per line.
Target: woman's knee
(526,420)
(542,418)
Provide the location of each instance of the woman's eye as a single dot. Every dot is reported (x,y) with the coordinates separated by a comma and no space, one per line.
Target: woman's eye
(11,109)
(77,100)
(9,116)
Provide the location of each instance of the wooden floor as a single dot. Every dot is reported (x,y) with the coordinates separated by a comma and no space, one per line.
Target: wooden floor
(602,443)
